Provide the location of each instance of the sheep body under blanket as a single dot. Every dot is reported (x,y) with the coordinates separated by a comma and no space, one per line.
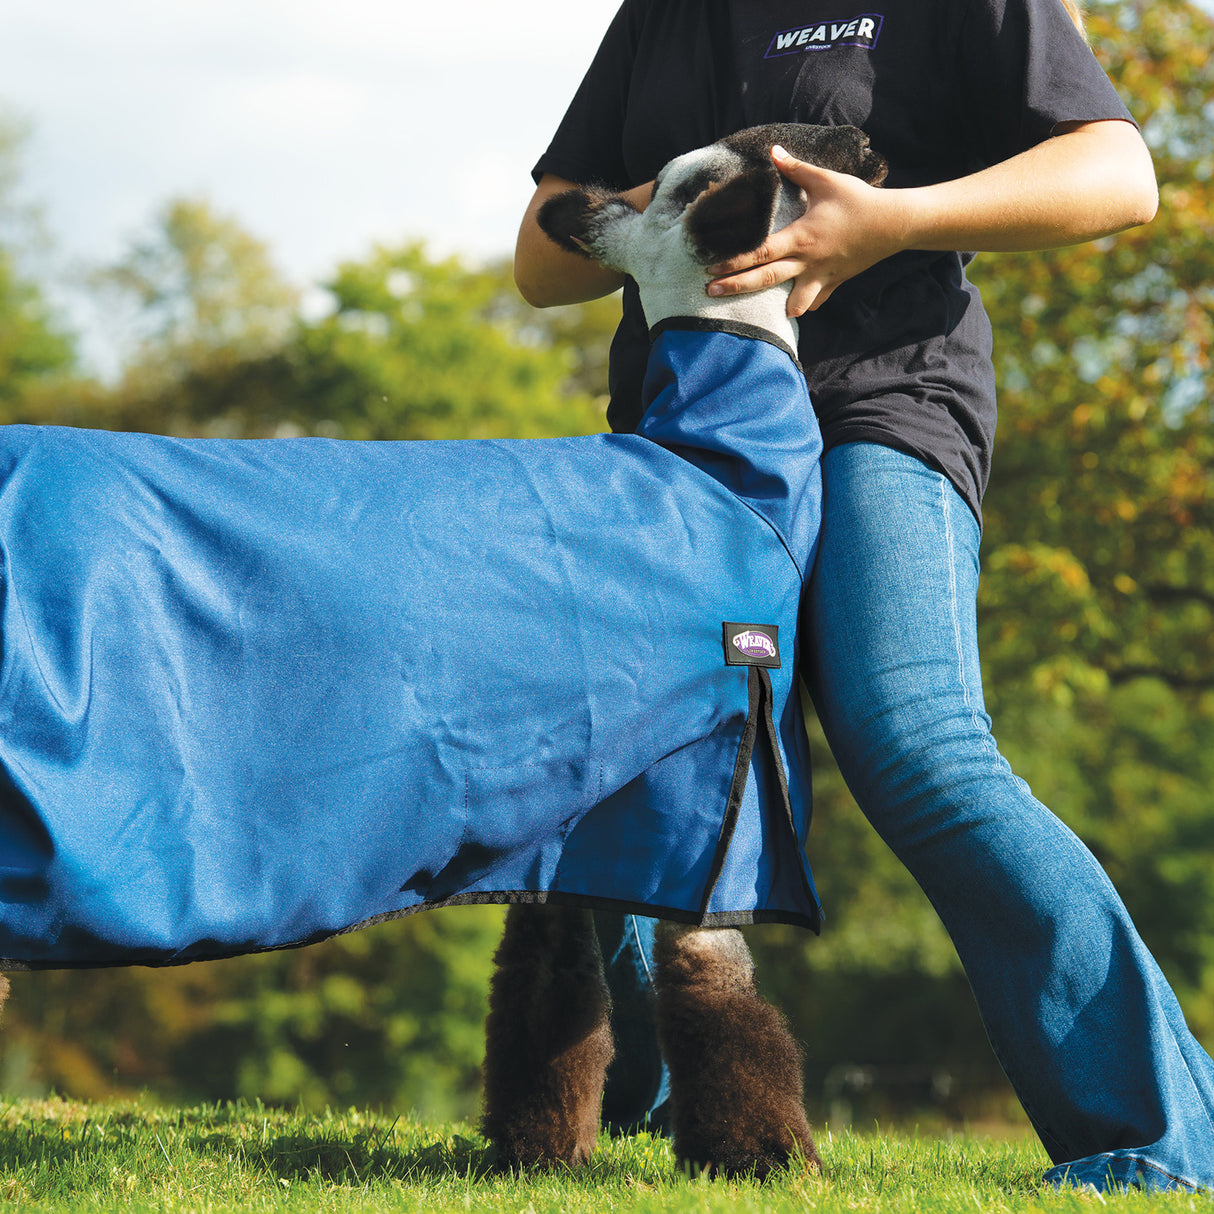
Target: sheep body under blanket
(257,693)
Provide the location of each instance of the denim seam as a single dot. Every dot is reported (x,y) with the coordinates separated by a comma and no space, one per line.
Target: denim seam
(946,511)
(636,935)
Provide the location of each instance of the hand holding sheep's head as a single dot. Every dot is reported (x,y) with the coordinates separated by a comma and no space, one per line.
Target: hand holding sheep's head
(708,205)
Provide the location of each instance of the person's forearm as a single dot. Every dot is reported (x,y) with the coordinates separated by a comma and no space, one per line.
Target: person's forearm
(546,274)
(1089,182)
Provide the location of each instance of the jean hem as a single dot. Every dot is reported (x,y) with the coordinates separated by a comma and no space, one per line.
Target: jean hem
(1115,1170)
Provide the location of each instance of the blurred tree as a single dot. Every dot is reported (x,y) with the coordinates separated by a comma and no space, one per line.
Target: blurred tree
(582,331)
(1097,636)
(392,1016)
(421,349)
(34,347)
(196,299)
(196,288)
(407,348)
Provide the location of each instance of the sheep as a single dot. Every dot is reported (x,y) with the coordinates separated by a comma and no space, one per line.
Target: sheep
(735,1069)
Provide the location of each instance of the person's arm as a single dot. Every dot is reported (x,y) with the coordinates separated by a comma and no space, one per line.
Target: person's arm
(546,274)
(1090,180)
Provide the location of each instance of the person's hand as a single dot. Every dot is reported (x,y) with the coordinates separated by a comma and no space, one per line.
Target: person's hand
(848,226)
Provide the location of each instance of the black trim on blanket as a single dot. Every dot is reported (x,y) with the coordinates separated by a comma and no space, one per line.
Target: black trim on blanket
(489,898)
(713,324)
(760,717)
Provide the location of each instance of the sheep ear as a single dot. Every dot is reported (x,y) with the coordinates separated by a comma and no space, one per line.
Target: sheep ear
(565,218)
(733,217)
(589,221)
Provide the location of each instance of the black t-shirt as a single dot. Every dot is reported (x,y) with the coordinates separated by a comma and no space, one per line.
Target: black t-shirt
(901,354)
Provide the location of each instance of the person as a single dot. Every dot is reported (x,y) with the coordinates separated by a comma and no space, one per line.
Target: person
(1002,134)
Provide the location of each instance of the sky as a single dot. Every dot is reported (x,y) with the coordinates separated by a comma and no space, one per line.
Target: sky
(323,126)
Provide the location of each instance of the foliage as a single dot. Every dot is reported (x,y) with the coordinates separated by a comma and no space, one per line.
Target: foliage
(33,343)
(583,331)
(418,349)
(391,1015)
(197,286)
(1096,619)
(405,348)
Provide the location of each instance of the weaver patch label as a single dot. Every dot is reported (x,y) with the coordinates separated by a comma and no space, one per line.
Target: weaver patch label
(752,645)
(861,30)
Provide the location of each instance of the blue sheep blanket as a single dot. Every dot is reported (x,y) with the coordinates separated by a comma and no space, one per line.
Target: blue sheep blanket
(257,693)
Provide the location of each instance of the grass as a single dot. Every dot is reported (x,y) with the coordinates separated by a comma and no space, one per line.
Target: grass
(60,1155)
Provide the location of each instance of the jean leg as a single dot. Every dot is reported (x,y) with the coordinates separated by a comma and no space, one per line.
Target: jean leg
(637,1092)
(1079,1015)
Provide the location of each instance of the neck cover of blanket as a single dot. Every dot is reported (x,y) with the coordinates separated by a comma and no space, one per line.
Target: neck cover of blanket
(257,693)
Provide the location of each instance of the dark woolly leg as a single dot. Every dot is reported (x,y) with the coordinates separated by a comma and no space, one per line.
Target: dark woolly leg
(735,1070)
(548,1038)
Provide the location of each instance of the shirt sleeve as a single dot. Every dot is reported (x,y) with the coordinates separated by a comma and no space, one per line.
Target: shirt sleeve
(588,146)
(1027,69)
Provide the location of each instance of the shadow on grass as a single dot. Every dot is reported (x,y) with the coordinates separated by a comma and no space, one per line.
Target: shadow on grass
(358,1158)
(371,1156)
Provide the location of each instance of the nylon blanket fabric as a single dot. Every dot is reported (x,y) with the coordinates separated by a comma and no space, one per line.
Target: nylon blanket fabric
(256,693)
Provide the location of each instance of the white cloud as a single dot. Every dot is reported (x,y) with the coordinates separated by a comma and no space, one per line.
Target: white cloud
(296,106)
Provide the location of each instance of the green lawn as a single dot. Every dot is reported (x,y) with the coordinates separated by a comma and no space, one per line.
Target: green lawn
(59,1155)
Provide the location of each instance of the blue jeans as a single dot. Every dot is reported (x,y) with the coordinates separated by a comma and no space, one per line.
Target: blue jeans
(1080,1017)
(637,1093)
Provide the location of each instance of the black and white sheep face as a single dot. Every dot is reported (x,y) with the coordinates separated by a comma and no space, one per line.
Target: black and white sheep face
(708,205)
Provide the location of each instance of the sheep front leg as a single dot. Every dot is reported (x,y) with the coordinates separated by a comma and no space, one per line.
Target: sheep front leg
(548,1038)
(735,1070)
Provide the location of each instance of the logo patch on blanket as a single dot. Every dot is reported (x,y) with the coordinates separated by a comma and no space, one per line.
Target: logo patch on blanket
(752,645)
